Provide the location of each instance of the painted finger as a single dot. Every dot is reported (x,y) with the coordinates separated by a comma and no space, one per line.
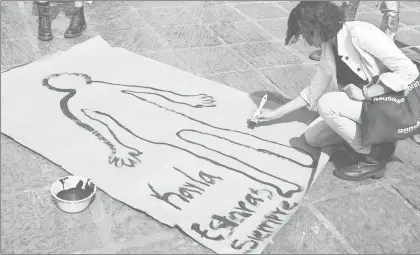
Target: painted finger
(129,163)
(134,153)
(136,159)
(119,162)
(111,159)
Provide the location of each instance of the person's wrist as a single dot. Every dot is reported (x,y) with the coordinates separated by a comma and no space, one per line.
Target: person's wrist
(366,93)
(276,114)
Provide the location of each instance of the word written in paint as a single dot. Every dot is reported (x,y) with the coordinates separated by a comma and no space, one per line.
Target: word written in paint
(186,191)
(224,226)
(271,222)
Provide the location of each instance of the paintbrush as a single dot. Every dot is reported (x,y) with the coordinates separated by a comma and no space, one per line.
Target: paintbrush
(252,122)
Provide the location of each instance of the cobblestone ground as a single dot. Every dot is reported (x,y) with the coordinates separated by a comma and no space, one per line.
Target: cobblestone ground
(239,44)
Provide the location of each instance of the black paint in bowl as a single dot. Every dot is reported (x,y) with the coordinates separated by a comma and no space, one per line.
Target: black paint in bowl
(73,194)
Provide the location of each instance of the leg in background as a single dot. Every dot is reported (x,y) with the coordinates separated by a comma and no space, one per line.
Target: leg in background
(351,10)
(78,22)
(44,22)
(78,4)
(390,17)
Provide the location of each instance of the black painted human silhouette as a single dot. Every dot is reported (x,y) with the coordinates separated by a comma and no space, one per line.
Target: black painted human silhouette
(92,105)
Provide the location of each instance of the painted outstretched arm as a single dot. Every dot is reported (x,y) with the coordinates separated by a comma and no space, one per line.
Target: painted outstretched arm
(148,93)
(66,83)
(121,154)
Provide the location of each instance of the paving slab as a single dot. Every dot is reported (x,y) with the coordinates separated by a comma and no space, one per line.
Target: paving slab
(374,17)
(304,234)
(288,5)
(266,10)
(32,223)
(409,17)
(10,10)
(267,54)
(408,36)
(107,6)
(155,4)
(135,40)
(168,57)
(375,5)
(23,170)
(277,27)
(97,251)
(412,4)
(410,191)
(127,224)
(409,151)
(328,185)
(290,79)
(13,27)
(238,32)
(210,60)
(180,244)
(193,14)
(365,6)
(8,4)
(249,81)
(188,36)
(115,20)
(18,52)
(374,222)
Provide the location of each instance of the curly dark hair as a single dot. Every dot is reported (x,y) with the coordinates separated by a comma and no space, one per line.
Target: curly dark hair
(323,16)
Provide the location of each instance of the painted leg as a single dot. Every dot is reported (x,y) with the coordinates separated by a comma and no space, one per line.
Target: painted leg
(189,142)
(263,146)
(248,161)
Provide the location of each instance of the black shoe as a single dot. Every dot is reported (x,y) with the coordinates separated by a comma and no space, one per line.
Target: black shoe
(316,55)
(44,22)
(366,168)
(77,24)
(369,166)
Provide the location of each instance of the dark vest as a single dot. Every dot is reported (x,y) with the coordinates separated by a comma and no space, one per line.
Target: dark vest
(345,75)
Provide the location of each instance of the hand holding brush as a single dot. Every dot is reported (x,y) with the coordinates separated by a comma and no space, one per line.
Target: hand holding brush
(252,122)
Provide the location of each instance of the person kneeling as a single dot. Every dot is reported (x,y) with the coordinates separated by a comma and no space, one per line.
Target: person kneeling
(361,102)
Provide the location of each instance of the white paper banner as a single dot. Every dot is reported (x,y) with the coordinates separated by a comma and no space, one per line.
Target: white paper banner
(162,140)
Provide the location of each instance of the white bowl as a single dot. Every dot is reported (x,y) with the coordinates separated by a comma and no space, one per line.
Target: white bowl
(68,182)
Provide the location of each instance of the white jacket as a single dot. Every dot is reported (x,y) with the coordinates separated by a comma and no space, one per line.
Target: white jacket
(369,52)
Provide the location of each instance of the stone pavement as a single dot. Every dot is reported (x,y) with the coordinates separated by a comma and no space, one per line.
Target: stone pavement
(239,44)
